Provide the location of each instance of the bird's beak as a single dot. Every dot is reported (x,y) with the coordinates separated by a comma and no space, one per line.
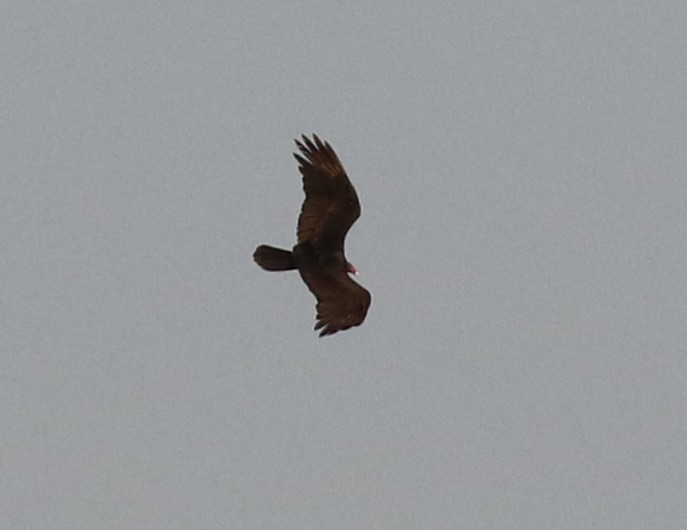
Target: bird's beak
(350,269)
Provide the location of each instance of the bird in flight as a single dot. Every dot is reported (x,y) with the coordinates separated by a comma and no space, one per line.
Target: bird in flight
(330,207)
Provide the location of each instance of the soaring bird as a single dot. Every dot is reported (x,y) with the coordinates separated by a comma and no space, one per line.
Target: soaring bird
(330,207)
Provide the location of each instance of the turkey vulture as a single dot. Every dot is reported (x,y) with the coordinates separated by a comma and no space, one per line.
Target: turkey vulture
(330,207)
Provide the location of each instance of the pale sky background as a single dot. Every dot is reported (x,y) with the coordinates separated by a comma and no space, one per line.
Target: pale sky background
(521,168)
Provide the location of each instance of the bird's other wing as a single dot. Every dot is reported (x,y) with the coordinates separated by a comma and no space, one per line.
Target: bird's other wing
(341,302)
(331,204)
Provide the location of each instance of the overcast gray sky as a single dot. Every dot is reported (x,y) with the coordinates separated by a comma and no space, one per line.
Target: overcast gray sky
(521,168)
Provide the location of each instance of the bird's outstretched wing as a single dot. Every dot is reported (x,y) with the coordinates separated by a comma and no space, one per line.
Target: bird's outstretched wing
(341,302)
(331,204)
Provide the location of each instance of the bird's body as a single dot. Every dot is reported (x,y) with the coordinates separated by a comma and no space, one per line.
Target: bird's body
(330,207)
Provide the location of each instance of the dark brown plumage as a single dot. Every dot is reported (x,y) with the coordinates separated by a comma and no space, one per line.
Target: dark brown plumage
(330,207)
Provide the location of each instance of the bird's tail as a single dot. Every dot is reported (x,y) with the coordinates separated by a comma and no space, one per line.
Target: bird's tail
(273,259)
